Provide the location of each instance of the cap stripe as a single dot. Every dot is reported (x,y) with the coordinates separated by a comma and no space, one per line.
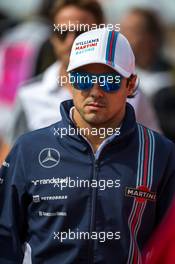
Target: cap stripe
(114,47)
(108,45)
(111,46)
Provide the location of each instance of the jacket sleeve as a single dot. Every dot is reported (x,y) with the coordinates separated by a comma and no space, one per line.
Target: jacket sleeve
(13,204)
(166,191)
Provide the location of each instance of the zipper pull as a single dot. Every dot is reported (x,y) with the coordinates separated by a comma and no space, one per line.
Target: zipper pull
(96,164)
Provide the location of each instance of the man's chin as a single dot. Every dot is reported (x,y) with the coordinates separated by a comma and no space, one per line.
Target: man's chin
(94,119)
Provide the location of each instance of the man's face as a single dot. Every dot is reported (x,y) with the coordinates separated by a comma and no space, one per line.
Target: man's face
(69,15)
(97,107)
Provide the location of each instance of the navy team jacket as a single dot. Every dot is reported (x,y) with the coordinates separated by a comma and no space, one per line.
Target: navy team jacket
(35,212)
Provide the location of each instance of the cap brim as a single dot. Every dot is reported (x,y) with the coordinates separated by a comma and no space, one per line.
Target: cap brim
(117,68)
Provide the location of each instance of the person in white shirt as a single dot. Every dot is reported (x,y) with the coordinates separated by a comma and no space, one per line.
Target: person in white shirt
(37,103)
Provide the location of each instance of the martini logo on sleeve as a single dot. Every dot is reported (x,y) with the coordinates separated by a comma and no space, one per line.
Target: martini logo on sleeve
(85,46)
(141,193)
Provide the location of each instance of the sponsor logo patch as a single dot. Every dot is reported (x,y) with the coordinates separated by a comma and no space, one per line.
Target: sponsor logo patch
(89,45)
(50,214)
(141,193)
(6,164)
(53,181)
(49,158)
(37,198)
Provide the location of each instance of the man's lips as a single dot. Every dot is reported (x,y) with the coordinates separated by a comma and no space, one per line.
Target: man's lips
(96,105)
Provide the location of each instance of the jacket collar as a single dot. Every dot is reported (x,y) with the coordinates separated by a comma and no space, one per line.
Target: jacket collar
(128,125)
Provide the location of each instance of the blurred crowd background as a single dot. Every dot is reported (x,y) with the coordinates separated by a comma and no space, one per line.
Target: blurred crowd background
(32,56)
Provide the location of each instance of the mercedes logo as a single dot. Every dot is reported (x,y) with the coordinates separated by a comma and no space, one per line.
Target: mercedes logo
(49,157)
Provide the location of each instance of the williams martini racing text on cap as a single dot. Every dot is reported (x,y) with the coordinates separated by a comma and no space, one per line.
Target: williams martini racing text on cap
(103,46)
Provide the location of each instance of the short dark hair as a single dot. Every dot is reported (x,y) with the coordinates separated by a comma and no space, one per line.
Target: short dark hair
(91,6)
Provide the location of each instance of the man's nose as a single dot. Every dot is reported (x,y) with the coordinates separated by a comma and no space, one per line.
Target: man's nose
(96,91)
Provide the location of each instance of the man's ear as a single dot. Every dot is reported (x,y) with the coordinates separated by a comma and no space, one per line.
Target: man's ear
(131,85)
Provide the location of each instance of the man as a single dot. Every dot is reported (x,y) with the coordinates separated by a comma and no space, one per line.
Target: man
(29,99)
(144,30)
(44,94)
(93,187)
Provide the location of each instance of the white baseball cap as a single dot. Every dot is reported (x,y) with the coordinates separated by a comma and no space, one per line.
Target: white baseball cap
(104,46)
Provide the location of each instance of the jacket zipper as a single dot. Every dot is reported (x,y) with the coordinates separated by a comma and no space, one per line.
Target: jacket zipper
(93,210)
(94,198)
